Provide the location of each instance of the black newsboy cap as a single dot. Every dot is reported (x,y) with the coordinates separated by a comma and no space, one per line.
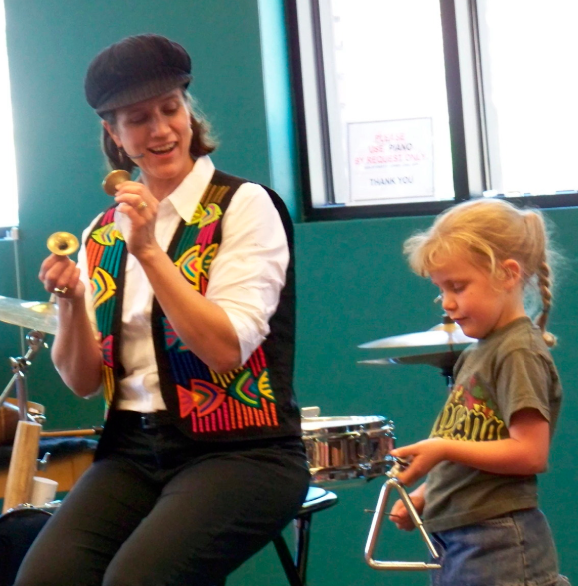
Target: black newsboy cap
(135,69)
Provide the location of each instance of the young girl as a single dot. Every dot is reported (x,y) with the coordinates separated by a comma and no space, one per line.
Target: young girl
(493,435)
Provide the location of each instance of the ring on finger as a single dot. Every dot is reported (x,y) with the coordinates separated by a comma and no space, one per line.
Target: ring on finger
(142,206)
(60,291)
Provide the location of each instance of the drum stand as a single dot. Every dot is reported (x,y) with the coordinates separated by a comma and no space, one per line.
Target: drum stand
(393,482)
(23,462)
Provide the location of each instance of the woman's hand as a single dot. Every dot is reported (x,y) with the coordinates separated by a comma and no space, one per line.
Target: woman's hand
(61,276)
(75,352)
(139,205)
(399,513)
(422,457)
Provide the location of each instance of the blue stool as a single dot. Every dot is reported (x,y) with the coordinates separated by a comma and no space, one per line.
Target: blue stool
(295,567)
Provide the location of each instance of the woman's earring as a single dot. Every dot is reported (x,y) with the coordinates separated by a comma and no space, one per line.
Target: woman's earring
(120,154)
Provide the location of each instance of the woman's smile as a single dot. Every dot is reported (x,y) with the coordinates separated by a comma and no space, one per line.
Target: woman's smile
(163,150)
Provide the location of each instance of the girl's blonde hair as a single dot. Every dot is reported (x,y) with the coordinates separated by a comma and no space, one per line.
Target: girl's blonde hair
(488,232)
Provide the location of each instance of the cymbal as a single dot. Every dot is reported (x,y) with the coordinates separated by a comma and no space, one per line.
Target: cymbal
(444,334)
(113,179)
(35,315)
(443,360)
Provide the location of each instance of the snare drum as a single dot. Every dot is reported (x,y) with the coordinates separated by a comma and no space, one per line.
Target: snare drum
(18,529)
(344,448)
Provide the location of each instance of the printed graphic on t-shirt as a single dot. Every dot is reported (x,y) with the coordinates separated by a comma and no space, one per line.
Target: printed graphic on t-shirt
(470,414)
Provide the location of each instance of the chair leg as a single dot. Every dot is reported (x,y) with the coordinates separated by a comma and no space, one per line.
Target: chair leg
(287,562)
(302,530)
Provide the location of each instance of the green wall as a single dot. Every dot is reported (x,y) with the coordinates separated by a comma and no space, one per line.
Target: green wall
(353,284)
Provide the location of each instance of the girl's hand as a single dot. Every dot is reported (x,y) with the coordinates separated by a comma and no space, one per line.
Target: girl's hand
(422,457)
(61,276)
(139,205)
(400,515)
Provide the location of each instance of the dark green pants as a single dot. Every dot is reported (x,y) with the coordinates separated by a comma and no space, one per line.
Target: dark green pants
(158,509)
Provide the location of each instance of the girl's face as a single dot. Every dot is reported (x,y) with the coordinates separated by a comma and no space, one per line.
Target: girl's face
(159,129)
(475,299)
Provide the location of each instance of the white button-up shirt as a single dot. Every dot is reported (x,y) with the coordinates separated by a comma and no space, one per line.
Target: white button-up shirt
(245,278)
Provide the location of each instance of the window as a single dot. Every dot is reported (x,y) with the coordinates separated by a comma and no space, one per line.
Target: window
(9,207)
(529,78)
(406,107)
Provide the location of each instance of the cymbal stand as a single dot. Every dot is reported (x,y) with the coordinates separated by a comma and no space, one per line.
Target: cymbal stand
(390,484)
(447,369)
(19,366)
(448,374)
(23,462)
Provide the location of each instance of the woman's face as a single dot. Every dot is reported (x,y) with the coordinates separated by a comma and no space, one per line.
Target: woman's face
(160,130)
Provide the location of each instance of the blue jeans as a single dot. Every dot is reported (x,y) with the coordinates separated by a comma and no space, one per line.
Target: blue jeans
(516,549)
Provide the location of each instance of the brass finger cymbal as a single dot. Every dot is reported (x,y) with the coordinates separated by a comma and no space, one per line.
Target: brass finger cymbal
(62,243)
(35,315)
(444,334)
(443,360)
(113,179)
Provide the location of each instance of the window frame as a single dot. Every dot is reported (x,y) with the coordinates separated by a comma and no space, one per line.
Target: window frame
(468,132)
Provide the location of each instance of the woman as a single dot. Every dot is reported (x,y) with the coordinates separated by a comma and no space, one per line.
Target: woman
(182,309)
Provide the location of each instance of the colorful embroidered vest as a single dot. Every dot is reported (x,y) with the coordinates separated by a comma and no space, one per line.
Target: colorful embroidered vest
(253,401)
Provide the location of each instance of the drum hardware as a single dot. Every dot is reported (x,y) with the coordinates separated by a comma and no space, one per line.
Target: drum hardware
(19,367)
(24,460)
(394,483)
(10,415)
(42,464)
(113,179)
(25,451)
(347,448)
(46,507)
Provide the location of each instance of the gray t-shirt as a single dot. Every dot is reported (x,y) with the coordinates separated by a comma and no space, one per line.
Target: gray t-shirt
(509,370)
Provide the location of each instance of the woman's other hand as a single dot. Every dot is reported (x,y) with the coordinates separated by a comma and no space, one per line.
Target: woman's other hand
(139,205)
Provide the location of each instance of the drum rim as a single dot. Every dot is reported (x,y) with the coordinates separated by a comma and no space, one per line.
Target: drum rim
(20,511)
(346,424)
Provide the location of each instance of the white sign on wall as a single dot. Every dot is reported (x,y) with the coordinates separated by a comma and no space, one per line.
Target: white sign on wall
(390,159)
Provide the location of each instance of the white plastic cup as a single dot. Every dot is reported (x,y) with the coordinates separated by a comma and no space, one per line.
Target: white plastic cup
(43,491)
